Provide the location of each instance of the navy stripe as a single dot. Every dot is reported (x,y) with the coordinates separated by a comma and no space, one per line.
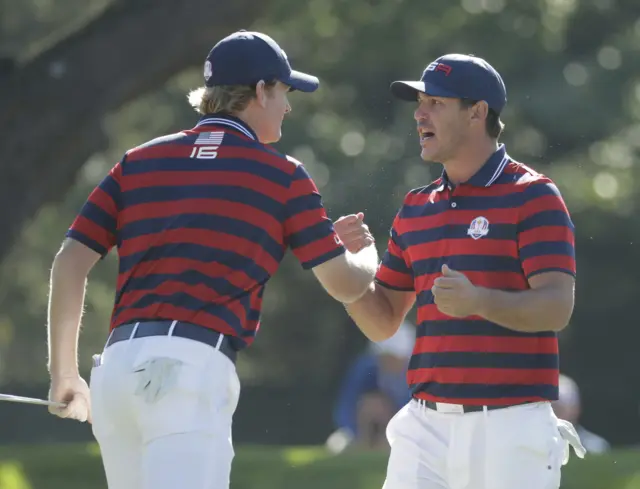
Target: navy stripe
(483,203)
(253,315)
(208,222)
(546,218)
(487,391)
(219,285)
(540,189)
(396,264)
(85,240)
(397,240)
(307,202)
(484,360)
(224,192)
(175,139)
(393,287)
(456,231)
(543,248)
(310,234)
(99,216)
(263,170)
(186,301)
(112,188)
(470,327)
(323,258)
(468,263)
(196,252)
(421,210)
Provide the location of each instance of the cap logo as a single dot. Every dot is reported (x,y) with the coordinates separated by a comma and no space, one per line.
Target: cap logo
(207,70)
(446,69)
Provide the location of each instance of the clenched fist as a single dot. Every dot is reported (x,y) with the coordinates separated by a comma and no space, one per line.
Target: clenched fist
(455,295)
(73,391)
(353,232)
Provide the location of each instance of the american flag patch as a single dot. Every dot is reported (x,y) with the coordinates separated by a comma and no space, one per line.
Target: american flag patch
(210,138)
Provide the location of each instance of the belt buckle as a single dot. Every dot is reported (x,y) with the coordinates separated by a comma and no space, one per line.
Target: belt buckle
(445,407)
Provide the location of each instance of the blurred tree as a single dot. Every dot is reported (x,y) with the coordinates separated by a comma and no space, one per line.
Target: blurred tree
(52,104)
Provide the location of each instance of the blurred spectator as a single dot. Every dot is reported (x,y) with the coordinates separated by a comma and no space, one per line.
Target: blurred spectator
(569,407)
(373,390)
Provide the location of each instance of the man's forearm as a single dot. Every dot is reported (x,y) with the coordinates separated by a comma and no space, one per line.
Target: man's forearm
(373,314)
(66,300)
(363,267)
(528,311)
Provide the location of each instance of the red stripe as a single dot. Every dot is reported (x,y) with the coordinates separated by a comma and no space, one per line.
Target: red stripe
(486,344)
(430,312)
(315,249)
(457,217)
(452,247)
(199,291)
(302,187)
(212,239)
(490,376)
(494,280)
(93,231)
(235,179)
(480,402)
(258,156)
(545,233)
(541,204)
(174,266)
(536,263)
(304,219)
(214,207)
(171,312)
(161,150)
(393,278)
(104,201)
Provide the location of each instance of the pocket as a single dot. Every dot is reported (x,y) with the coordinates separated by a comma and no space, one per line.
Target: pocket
(100,423)
(392,429)
(234,390)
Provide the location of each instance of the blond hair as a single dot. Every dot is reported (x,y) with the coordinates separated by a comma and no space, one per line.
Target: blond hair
(229,99)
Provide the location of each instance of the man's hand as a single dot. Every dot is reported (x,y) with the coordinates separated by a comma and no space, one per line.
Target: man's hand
(353,232)
(455,295)
(74,392)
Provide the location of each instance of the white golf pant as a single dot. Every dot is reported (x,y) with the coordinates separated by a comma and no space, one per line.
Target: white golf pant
(182,438)
(518,447)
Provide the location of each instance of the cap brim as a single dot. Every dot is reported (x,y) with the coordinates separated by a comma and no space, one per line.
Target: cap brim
(408,90)
(303,82)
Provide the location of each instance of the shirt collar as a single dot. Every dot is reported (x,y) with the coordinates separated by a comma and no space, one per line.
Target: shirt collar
(226,120)
(487,174)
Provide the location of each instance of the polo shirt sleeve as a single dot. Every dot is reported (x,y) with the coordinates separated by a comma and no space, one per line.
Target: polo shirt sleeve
(96,226)
(394,271)
(307,228)
(546,234)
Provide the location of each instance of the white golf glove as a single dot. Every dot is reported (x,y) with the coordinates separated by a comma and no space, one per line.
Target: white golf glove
(156,377)
(571,438)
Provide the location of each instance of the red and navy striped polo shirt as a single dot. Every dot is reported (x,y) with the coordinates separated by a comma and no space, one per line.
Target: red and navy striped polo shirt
(201,220)
(505,225)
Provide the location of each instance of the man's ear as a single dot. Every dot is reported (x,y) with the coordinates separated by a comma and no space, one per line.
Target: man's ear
(261,94)
(480,111)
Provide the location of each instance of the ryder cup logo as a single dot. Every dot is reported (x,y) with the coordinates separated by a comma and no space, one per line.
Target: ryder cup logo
(478,228)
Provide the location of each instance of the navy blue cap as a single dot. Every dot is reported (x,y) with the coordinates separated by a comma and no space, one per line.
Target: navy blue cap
(245,58)
(457,76)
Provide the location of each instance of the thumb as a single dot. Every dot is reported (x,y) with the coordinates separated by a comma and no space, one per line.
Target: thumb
(360,215)
(448,272)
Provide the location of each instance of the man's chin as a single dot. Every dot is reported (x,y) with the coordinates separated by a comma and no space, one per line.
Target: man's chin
(428,156)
